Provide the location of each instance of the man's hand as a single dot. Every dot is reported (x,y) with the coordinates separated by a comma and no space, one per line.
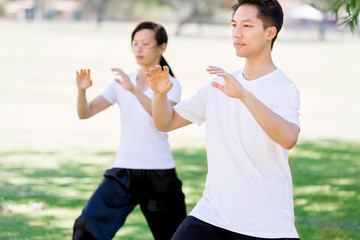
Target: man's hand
(83,80)
(232,87)
(159,79)
(126,83)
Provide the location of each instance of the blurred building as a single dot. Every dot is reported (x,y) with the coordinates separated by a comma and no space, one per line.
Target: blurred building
(40,9)
(24,9)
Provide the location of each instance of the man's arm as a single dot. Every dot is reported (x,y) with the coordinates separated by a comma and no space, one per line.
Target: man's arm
(165,118)
(278,129)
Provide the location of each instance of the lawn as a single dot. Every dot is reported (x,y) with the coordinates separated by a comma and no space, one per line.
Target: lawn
(42,192)
(51,162)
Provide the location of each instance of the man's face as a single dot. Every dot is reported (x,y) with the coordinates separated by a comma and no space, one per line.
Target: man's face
(249,36)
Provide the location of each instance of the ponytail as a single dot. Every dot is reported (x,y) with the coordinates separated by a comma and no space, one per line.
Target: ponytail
(164,63)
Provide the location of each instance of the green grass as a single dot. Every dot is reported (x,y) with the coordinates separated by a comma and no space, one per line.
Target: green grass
(326,177)
(43,192)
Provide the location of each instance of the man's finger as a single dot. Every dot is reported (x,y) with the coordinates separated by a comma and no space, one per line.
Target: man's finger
(158,68)
(170,83)
(166,70)
(218,86)
(148,75)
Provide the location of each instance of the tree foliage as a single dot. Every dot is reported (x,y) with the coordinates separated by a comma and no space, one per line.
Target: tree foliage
(352,9)
(321,5)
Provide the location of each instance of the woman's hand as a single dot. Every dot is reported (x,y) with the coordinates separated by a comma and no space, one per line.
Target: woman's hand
(125,83)
(83,80)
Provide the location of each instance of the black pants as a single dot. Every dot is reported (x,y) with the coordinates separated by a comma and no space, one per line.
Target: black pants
(193,228)
(157,191)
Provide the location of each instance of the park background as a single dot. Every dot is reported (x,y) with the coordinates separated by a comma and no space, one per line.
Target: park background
(51,162)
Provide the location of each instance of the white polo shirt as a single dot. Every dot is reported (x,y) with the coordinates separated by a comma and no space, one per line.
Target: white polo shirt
(248,186)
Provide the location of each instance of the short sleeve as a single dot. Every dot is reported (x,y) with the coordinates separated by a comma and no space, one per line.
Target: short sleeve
(194,108)
(175,92)
(109,93)
(288,104)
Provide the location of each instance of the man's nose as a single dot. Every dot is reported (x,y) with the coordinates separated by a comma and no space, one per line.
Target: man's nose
(236,33)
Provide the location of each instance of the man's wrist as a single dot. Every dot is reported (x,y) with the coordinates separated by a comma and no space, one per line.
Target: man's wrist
(245,95)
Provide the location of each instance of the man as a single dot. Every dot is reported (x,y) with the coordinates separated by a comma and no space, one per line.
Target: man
(252,122)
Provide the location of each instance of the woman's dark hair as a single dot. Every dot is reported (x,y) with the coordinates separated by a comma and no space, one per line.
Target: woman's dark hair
(270,12)
(160,36)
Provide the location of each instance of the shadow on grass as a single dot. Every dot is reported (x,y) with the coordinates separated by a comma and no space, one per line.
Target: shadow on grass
(192,168)
(326,176)
(63,181)
(23,227)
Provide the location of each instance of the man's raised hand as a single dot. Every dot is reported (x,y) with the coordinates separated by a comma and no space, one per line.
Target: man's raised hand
(232,87)
(159,80)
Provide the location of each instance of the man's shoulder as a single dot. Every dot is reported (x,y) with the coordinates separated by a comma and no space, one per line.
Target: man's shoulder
(281,77)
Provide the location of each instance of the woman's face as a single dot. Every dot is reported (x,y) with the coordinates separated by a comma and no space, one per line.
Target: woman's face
(145,48)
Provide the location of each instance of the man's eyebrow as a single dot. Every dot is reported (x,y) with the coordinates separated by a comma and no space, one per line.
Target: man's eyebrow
(245,20)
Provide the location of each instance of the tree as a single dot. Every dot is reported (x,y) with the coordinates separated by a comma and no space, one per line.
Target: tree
(352,8)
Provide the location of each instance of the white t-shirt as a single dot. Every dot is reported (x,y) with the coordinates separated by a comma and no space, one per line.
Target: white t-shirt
(248,186)
(142,146)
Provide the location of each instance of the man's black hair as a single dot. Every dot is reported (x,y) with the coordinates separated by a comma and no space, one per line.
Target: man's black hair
(270,12)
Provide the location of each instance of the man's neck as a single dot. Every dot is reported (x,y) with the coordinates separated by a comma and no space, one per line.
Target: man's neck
(258,67)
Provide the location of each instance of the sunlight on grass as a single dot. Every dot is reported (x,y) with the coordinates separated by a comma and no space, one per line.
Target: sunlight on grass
(324,189)
(343,181)
(323,207)
(301,201)
(40,202)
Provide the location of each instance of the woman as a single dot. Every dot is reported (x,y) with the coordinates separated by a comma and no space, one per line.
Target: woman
(144,170)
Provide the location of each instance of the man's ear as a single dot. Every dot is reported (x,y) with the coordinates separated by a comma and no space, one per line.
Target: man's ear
(271,31)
